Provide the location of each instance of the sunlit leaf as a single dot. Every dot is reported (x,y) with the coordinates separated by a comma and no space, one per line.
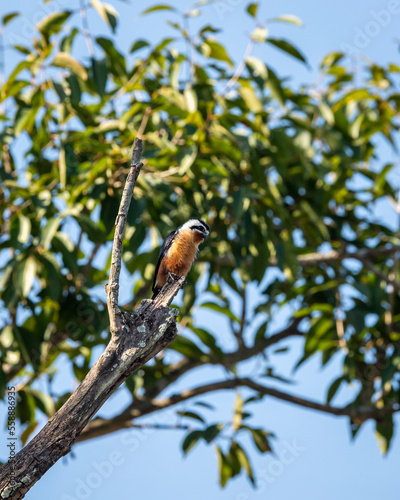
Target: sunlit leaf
(107,12)
(156,8)
(288,19)
(288,48)
(9,17)
(53,22)
(65,60)
(252,9)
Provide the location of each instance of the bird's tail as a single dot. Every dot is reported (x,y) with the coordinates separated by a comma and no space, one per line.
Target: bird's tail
(156,291)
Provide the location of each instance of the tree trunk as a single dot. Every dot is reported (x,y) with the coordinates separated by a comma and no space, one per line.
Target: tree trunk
(143,334)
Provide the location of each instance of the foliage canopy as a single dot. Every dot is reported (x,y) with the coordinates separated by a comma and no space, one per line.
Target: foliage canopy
(287,177)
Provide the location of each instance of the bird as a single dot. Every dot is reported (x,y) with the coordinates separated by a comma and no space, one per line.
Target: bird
(179,251)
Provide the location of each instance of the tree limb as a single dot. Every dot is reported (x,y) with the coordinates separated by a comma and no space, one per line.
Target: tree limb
(115,269)
(360,414)
(148,404)
(137,337)
(316,258)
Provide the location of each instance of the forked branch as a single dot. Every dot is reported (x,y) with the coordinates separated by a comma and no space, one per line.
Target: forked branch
(136,338)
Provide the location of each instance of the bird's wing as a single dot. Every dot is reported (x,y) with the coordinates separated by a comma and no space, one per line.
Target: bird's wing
(164,249)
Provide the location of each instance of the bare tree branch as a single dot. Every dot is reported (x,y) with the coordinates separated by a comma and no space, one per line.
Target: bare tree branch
(115,270)
(389,279)
(86,31)
(316,258)
(360,414)
(240,68)
(136,338)
(143,406)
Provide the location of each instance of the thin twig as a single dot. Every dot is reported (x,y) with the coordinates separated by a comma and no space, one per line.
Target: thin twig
(100,427)
(239,333)
(387,279)
(316,258)
(394,286)
(88,265)
(190,51)
(134,78)
(239,70)
(143,124)
(162,427)
(116,255)
(2,68)
(339,321)
(86,31)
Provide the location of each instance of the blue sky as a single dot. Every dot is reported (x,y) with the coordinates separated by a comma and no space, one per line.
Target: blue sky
(315,456)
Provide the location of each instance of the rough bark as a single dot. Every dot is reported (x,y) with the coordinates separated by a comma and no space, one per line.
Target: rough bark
(136,338)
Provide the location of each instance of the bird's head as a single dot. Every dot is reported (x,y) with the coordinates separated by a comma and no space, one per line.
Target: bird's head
(200,229)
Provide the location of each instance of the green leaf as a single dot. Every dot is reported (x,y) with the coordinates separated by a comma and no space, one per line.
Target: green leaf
(191,414)
(24,229)
(252,9)
(215,50)
(6,274)
(288,19)
(25,119)
(9,17)
(188,160)
(187,348)
(205,405)
(95,231)
(244,461)
(26,275)
(208,340)
(53,277)
(48,232)
(139,44)
(334,388)
(62,166)
(190,100)
(258,68)
(44,402)
(27,432)
(221,309)
(225,470)
(62,243)
(238,413)
(212,432)
(287,47)
(261,332)
(156,8)
(275,86)
(66,42)
(26,407)
(116,60)
(353,95)
(107,12)
(190,441)
(384,432)
(66,61)
(3,381)
(252,101)
(53,22)
(99,68)
(234,460)
(13,88)
(327,113)
(261,440)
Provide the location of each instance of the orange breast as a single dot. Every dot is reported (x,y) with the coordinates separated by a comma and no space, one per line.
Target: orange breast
(180,256)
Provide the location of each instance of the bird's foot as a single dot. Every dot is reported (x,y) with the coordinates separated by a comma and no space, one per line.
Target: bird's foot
(173,276)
